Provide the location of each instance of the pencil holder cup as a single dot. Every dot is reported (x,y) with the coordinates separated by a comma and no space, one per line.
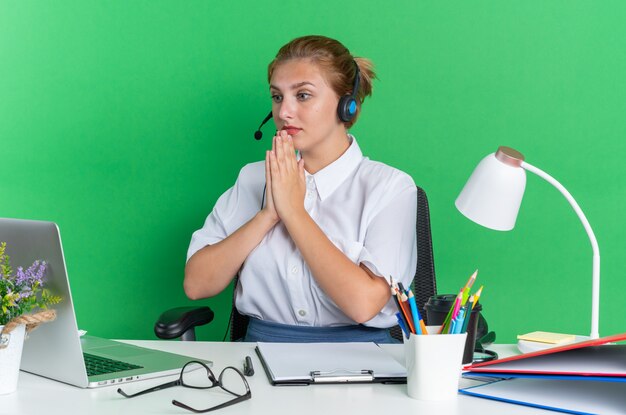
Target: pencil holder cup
(433,365)
(437,308)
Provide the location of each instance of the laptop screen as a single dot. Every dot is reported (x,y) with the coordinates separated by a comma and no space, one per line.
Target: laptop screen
(53,349)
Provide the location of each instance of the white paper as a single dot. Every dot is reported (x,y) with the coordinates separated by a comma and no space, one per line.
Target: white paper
(296,361)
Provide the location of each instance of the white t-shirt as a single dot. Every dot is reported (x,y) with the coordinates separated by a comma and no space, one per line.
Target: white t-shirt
(366,208)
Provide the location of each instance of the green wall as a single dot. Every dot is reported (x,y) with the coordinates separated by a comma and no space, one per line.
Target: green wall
(124,121)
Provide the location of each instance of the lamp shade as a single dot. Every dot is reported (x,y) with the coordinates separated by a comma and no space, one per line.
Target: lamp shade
(493,193)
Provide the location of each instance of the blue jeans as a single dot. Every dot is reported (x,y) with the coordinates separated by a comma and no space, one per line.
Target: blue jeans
(267,331)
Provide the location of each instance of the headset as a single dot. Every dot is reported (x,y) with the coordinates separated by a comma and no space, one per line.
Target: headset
(346,110)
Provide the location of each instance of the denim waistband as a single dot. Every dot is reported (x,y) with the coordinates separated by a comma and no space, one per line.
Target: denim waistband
(267,331)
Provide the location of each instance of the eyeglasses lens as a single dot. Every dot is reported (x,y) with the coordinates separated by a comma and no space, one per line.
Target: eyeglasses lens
(233,381)
(196,375)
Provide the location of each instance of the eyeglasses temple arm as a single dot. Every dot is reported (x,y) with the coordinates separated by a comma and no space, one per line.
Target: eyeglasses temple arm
(244,397)
(153,389)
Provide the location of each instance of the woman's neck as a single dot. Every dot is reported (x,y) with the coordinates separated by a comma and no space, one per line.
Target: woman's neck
(322,155)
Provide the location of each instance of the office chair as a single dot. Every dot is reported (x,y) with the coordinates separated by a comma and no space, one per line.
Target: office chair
(181,322)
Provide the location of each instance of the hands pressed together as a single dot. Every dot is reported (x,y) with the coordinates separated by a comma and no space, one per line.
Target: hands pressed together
(285,180)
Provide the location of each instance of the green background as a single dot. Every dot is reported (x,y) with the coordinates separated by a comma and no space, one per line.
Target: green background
(124,121)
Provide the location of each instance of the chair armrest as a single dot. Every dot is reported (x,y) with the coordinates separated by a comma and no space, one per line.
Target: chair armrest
(177,321)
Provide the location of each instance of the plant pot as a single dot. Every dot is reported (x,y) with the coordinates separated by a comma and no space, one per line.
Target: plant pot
(10,357)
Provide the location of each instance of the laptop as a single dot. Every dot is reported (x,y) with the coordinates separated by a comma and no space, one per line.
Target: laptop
(55,349)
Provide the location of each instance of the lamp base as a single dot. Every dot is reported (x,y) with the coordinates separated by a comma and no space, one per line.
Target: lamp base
(526,346)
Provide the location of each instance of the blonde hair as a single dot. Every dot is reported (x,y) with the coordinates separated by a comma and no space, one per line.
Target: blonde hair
(335,61)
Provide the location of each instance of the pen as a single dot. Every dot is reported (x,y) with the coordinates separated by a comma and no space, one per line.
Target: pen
(248,370)
(458,326)
(453,325)
(402,325)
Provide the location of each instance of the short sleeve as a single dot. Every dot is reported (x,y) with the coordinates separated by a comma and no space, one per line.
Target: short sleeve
(390,246)
(234,208)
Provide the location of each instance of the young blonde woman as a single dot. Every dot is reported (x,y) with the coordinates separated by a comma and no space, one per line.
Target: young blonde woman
(317,229)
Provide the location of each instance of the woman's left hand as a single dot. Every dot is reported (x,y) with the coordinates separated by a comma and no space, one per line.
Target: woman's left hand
(288,181)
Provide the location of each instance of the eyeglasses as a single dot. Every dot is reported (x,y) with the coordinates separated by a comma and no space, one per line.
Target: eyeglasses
(197,375)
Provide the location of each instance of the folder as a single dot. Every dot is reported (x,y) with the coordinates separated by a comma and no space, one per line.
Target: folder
(589,358)
(582,378)
(563,395)
(318,363)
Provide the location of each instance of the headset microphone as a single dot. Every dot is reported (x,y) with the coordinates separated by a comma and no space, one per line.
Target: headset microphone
(258,134)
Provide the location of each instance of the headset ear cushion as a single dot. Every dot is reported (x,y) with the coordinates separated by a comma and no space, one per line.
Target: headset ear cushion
(346,110)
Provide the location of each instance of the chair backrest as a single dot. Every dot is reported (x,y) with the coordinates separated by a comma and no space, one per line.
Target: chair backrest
(423,286)
(238,322)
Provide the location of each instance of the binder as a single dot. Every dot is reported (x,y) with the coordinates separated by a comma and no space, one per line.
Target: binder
(581,378)
(320,363)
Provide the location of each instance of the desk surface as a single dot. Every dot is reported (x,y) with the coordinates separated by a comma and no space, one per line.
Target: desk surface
(37,395)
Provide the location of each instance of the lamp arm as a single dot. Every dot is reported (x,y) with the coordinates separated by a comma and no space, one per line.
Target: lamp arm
(595,286)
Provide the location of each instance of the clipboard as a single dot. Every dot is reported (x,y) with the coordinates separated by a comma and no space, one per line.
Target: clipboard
(293,364)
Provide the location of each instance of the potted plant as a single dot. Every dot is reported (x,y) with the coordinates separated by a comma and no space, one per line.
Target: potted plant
(23,306)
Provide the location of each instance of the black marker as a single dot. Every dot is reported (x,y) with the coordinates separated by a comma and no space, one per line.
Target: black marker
(248,370)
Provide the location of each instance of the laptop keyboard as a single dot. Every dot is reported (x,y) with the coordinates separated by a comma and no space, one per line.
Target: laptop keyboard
(98,365)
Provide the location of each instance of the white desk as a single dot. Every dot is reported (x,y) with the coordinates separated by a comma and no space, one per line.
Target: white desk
(37,395)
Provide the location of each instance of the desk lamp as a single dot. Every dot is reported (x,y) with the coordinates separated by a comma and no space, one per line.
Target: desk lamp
(492,197)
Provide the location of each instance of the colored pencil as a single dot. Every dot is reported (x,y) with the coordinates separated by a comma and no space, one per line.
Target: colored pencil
(477,296)
(406,310)
(420,327)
